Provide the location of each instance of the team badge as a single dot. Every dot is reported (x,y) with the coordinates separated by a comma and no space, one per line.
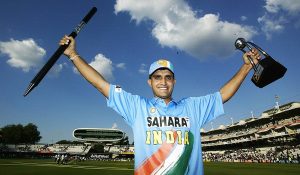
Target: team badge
(152,110)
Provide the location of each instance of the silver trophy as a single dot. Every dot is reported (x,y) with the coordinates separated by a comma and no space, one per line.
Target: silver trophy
(267,70)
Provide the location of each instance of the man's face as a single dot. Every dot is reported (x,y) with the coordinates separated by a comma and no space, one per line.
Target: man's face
(162,83)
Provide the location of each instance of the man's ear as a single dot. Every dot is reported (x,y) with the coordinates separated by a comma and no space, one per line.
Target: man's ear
(149,83)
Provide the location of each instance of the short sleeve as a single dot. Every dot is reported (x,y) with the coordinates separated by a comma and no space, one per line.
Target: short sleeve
(123,103)
(206,108)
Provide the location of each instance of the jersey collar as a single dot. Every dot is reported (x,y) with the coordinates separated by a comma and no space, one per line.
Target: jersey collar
(161,102)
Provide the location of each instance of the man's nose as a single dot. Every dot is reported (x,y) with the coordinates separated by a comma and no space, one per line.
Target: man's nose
(164,81)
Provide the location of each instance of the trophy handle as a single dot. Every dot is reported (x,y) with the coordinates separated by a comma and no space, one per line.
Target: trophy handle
(250,59)
(240,44)
(258,48)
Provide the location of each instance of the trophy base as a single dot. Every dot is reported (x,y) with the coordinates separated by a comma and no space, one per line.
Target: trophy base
(268,71)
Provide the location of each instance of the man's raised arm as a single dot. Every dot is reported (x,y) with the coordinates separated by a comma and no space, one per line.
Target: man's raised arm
(230,88)
(87,71)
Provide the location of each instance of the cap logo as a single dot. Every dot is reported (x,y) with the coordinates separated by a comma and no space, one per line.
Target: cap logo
(163,63)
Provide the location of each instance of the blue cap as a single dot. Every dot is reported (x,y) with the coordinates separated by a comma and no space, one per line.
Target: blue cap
(161,64)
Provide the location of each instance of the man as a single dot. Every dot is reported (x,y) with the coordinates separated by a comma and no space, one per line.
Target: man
(166,132)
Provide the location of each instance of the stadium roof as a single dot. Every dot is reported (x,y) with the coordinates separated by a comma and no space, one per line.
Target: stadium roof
(265,115)
(222,127)
(98,134)
(242,122)
(286,107)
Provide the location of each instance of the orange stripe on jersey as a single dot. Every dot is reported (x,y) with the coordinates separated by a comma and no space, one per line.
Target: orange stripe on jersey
(156,159)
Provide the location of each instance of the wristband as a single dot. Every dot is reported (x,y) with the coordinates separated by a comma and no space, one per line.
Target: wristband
(73,57)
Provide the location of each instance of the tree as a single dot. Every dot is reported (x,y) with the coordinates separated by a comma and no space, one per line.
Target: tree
(31,134)
(1,136)
(69,142)
(12,134)
(64,142)
(17,134)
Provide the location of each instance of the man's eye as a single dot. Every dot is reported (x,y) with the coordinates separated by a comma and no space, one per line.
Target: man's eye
(157,77)
(169,77)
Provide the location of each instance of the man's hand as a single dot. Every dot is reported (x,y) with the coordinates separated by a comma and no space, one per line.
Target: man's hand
(71,49)
(254,54)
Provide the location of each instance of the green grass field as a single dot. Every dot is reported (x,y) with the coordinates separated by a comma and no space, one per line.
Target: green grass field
(49,167)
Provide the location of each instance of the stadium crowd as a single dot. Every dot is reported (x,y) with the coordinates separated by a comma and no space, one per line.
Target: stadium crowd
(286,154)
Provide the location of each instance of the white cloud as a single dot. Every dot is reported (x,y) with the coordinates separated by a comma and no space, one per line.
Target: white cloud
(244,18)
(270,26)
(114,126)
(278,14)
(143,69)
(176,25)
(102,65)
(56,69)
(121,66)
(24,54)
(290,6)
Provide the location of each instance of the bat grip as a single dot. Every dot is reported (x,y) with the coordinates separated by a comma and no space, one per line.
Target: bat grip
(83,22)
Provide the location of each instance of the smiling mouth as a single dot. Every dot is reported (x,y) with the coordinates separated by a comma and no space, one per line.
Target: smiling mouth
(162,88)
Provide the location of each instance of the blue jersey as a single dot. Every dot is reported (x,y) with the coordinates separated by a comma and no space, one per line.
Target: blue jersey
(166,137)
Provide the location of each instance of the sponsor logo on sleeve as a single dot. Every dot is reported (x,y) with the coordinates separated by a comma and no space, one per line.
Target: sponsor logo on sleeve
(118,89)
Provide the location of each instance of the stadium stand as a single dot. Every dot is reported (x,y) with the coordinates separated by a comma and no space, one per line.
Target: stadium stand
(273,137)
(48,149)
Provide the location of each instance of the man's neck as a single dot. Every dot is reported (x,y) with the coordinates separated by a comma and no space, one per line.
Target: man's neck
(166,100)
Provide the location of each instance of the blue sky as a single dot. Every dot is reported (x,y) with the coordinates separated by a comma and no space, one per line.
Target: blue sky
(123,39)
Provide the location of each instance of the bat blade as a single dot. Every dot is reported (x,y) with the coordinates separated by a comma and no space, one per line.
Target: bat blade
(41,74)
